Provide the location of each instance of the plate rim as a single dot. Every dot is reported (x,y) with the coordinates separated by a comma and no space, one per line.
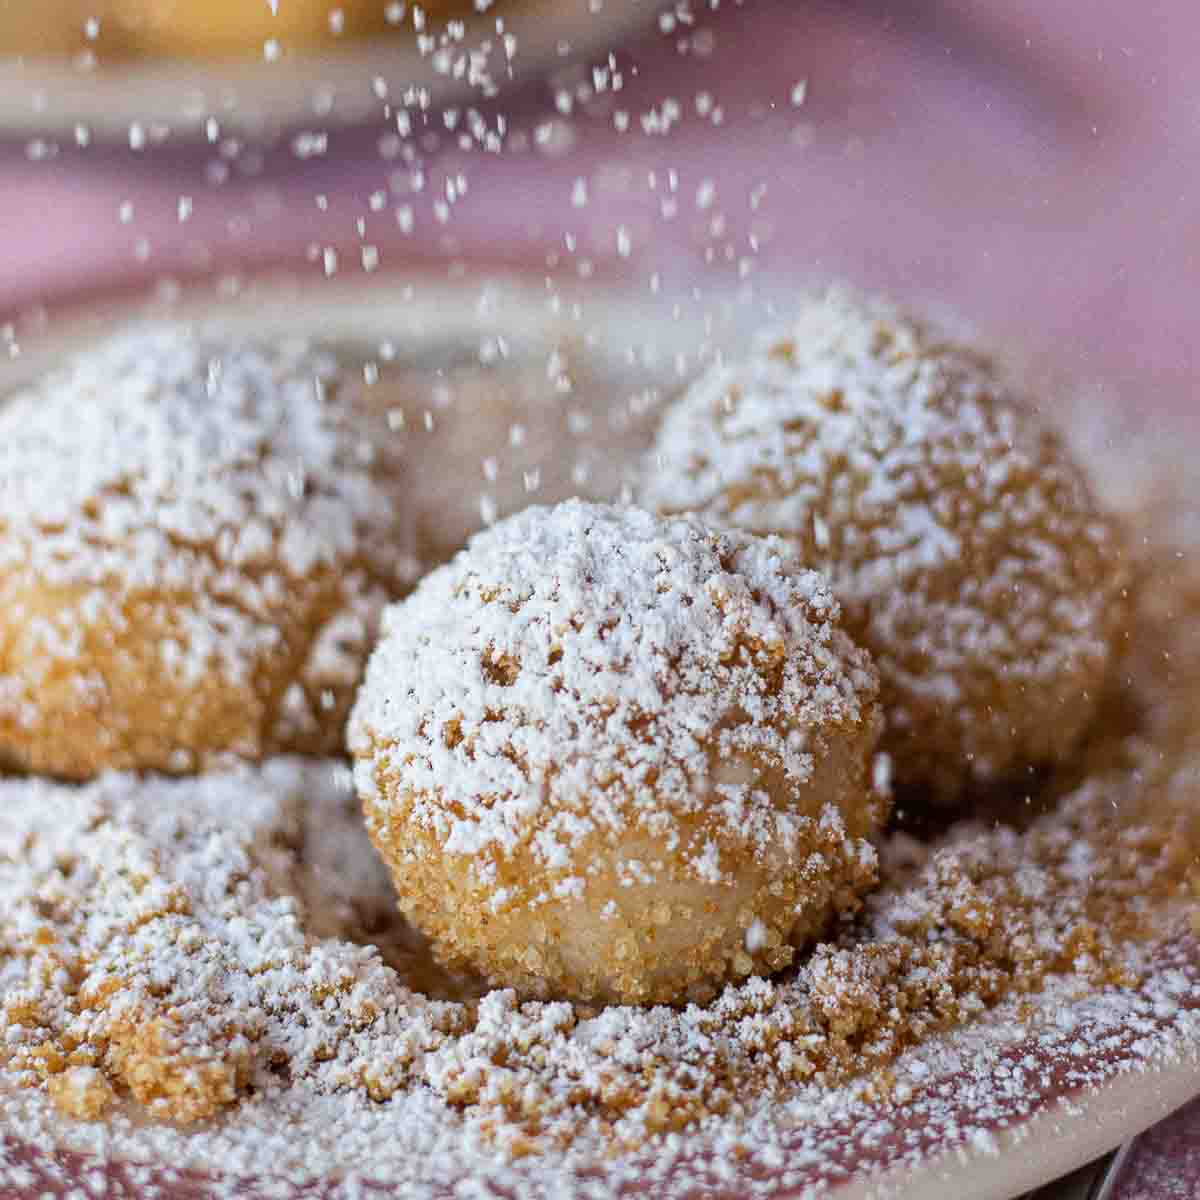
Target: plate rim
(253,98)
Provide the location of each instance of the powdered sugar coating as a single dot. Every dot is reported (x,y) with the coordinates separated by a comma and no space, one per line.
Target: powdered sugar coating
(962,540)
(196,538)
(592,713)
(606,1081)
(482,440)
(189,972)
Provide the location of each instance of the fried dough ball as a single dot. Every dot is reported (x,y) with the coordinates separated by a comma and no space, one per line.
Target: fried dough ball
(618,758)
(960,537)
(482,441)
(189,28)
(1157,676)
(195,543)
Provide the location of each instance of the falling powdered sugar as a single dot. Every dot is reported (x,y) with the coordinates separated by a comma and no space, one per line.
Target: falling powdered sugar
(962,540)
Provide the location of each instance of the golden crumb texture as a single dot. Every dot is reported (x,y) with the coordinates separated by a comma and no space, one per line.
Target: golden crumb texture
(196,538)
(615,757)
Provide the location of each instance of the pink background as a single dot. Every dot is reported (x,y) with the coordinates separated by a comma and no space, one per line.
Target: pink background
(1034,165)
(1031,164)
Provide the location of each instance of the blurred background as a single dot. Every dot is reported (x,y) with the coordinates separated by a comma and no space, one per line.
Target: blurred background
(1030,166)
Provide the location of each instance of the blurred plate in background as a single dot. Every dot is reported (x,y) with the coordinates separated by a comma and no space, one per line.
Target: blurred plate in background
(129,98)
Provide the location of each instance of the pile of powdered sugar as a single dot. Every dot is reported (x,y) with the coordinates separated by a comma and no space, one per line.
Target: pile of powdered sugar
(162,439)
(964,545)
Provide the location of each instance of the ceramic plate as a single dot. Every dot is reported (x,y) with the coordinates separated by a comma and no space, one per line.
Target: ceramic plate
(1004,1105)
